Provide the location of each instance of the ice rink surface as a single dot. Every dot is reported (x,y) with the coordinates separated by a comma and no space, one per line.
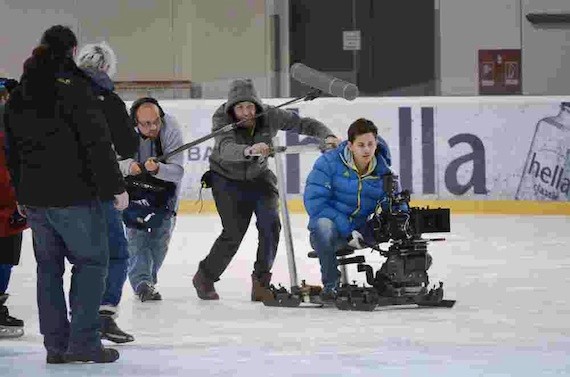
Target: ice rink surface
(510,276)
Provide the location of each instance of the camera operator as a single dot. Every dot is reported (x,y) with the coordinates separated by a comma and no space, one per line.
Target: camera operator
(342,190)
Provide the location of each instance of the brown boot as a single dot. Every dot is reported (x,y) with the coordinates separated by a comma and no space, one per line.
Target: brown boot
(204,286)
(260,287)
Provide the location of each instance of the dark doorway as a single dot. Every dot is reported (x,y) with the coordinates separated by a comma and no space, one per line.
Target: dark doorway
(397,55)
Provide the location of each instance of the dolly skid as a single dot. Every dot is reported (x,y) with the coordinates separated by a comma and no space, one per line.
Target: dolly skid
(304,296)
(352,297)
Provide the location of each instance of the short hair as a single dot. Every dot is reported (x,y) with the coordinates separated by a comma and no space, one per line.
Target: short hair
(97,56)
(60,41)
(361,126)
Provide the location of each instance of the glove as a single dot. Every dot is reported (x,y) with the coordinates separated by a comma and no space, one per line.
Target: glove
(355,240)
(121,201)
(331,142)
(259,149)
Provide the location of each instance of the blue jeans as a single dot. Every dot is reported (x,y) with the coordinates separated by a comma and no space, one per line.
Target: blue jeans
(5,272)
(326,240)
(118,256)
(78,233)
(147,251)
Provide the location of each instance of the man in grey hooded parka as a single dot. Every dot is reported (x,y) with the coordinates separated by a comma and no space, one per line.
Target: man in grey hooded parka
(243,184)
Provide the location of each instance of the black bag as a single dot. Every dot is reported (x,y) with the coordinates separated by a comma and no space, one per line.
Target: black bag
(151,200)
(206,180)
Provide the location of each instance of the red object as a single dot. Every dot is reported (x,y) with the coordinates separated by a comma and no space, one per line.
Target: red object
(7,197)
(500,71)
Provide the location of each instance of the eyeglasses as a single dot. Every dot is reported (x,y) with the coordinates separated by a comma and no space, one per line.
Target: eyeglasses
(157,122)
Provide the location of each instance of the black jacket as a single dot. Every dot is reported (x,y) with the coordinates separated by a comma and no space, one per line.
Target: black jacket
(60,151)
(123,135)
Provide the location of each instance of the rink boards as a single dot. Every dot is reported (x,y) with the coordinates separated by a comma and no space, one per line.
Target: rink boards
(466,153)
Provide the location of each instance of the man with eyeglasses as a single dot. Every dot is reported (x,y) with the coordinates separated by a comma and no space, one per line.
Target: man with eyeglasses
(150,217)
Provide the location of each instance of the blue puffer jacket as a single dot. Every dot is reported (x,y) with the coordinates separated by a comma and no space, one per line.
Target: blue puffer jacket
(335,191)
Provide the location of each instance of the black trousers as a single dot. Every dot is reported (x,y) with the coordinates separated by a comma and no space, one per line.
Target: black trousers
(236,201)
(10,249)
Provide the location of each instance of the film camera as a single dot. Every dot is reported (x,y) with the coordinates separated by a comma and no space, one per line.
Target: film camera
(402,278)
(390,222)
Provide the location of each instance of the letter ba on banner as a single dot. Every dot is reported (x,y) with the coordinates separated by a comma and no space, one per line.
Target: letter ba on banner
(500,71)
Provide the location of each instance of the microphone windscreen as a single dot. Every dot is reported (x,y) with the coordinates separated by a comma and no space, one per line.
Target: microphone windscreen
(318,80)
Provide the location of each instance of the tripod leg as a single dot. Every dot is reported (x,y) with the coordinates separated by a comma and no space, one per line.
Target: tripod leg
(284,212)
(343,273)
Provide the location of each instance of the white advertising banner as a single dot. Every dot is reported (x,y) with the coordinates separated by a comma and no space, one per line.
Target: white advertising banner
(466,148)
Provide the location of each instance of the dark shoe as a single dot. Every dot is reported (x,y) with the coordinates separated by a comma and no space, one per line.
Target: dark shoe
(260,287)
(156,296)
(110,331)
(204,287)
(327,297)
(103,355)
(146,292)
(55,358)
(10,327)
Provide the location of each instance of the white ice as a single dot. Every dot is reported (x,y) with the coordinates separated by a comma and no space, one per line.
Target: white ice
(510,276)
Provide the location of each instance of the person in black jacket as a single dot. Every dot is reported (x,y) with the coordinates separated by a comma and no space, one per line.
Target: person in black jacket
(63,167)
(98,61)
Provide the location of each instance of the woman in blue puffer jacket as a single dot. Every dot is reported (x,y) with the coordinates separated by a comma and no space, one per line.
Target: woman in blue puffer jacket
(341,191)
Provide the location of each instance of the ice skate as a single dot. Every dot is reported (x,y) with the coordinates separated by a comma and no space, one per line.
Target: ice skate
(10,327)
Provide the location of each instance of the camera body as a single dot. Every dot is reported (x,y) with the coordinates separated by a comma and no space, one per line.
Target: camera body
(407,260)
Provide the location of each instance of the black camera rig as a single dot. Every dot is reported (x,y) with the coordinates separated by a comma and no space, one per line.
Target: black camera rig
(402,278)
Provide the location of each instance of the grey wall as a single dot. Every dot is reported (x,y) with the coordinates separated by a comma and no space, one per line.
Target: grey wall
(21,25)
(546,51)
(208,42)
(467,26)
(211,42)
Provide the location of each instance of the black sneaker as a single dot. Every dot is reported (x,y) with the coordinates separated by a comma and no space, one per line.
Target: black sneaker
(103,355)
(156,296)
(10,327)
(110,331)
(55,358)
(146,292)
(328,297)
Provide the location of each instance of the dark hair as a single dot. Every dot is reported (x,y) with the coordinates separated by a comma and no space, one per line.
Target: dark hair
(54,52)
(60,41)
(361,126)
(53,56)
